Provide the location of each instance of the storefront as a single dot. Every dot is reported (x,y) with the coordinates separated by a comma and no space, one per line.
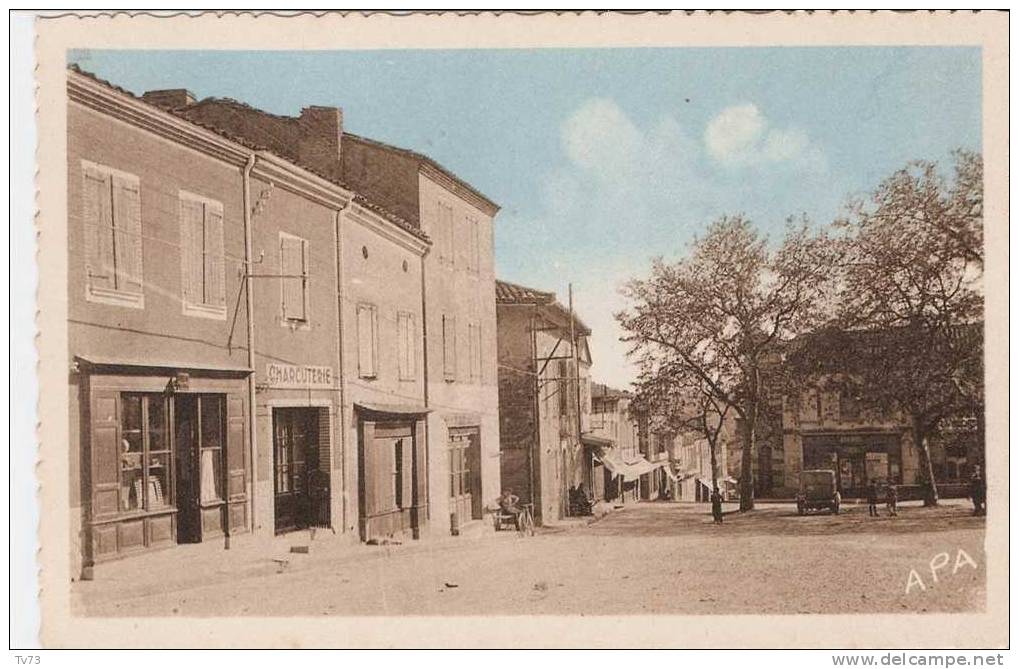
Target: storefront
(164,456)
(857,458)
(392,499)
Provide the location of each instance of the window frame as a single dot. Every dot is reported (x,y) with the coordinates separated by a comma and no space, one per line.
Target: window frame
(113,296)
(407,357)
(373,310)
(144,456)
(445,223)
(449,361)
(285,320)
(202,309)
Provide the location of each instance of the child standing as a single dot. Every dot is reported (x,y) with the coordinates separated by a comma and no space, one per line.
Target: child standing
(892,500)
(872,498)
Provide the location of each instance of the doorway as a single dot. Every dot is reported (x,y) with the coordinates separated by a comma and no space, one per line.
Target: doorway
(295,466)
(465,497)
(199,429)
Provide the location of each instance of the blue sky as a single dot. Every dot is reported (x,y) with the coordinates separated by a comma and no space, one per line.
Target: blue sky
(604,158)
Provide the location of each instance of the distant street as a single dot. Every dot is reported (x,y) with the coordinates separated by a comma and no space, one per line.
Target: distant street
(648,558)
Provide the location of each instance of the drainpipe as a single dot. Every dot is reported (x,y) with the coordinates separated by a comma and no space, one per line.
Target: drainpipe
(342,417)
(424,377)
(249,307)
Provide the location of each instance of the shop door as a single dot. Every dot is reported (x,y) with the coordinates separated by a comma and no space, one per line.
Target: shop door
(295,459)
(198,446)
(465,473)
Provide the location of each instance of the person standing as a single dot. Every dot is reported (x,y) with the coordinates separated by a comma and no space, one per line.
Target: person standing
(892,500)
(716,506)
(872,498)
(978,492)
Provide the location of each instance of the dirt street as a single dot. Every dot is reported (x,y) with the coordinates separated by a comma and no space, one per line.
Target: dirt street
(647,558)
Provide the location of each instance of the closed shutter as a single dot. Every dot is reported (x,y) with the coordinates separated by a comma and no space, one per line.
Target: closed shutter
(384,468)
(215,268)
(407,471)
(127,223)
(368,473)
(406,351)
(236,451)
(449,348)
(292,267)
(191,248)
(97,213)
(366,323)
(104,419)
(474,464)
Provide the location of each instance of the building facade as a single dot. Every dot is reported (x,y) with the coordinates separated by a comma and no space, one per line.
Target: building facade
(246,338)
(544,399)
(614,422)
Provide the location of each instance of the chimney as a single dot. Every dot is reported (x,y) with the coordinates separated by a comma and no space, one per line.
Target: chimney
(169,98)
(319,141)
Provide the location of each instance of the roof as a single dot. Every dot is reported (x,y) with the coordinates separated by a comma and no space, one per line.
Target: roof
(513,293)
(507,293)
(601,390)
(268,147)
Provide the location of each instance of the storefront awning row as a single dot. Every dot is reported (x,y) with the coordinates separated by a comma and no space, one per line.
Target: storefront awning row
(630,471)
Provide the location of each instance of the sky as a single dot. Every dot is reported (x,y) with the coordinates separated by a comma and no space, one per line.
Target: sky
(602,159)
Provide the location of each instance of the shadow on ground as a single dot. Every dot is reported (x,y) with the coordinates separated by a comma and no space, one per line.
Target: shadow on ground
(664,519)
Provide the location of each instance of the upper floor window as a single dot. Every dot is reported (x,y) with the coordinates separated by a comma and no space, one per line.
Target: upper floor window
(474,351)
(294,278)
(445,233)
(449,347)
(111,209)
(407,351)
(473,245)
(202,258)
(367,341)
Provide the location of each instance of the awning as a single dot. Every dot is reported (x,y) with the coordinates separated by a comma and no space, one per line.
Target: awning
(404,410)
(630,470)
(596,442)
(154,365)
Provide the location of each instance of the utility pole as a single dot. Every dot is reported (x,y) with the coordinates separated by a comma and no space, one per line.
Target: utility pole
(576,373)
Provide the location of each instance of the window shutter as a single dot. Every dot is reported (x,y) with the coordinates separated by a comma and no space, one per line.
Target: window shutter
(215,267)
(449,347)
(405,328)
(191,213)
(236,452)
(477,352)
(105,449)
(127,223)
(406,471)
(292,265)
(449,234)
(365,342)
(370,451)
(97,213)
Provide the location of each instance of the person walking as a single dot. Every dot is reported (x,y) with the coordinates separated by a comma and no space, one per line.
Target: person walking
(872,498)
(716,506)
(978,492)
(892,500)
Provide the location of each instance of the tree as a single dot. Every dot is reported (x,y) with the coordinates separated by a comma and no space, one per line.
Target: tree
(912,276)
(717,315)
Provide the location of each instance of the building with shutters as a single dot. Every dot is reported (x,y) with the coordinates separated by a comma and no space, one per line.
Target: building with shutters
(454,386)
(239,325)
(544,399)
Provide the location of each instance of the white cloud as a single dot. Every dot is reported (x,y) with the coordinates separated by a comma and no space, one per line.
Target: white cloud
(740,136)
(627,192)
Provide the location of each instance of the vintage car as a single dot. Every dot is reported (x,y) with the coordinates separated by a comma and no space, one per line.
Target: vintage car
(818,490)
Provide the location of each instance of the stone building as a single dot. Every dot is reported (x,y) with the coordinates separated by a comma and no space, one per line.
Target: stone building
(457,379)
(544,398)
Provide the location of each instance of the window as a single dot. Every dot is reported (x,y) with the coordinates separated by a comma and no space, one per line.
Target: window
(294,278)
(202,259)
(111,210)
(449,348)
(474,247)
(849,406)
(407,351)
(445,233)
(145,464)
(212,426)
(474,350)
(367,341)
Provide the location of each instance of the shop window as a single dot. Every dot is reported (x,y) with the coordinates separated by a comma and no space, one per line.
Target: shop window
(407,351)
(203,264)
(367,341)
(294,278)
(145,463)
(449,348)
(111,210)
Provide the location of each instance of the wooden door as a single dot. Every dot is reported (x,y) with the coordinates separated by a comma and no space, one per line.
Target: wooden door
(295,449)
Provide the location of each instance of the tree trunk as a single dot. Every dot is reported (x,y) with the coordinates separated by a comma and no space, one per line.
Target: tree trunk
(930,495)
(746,477)
(712,446)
